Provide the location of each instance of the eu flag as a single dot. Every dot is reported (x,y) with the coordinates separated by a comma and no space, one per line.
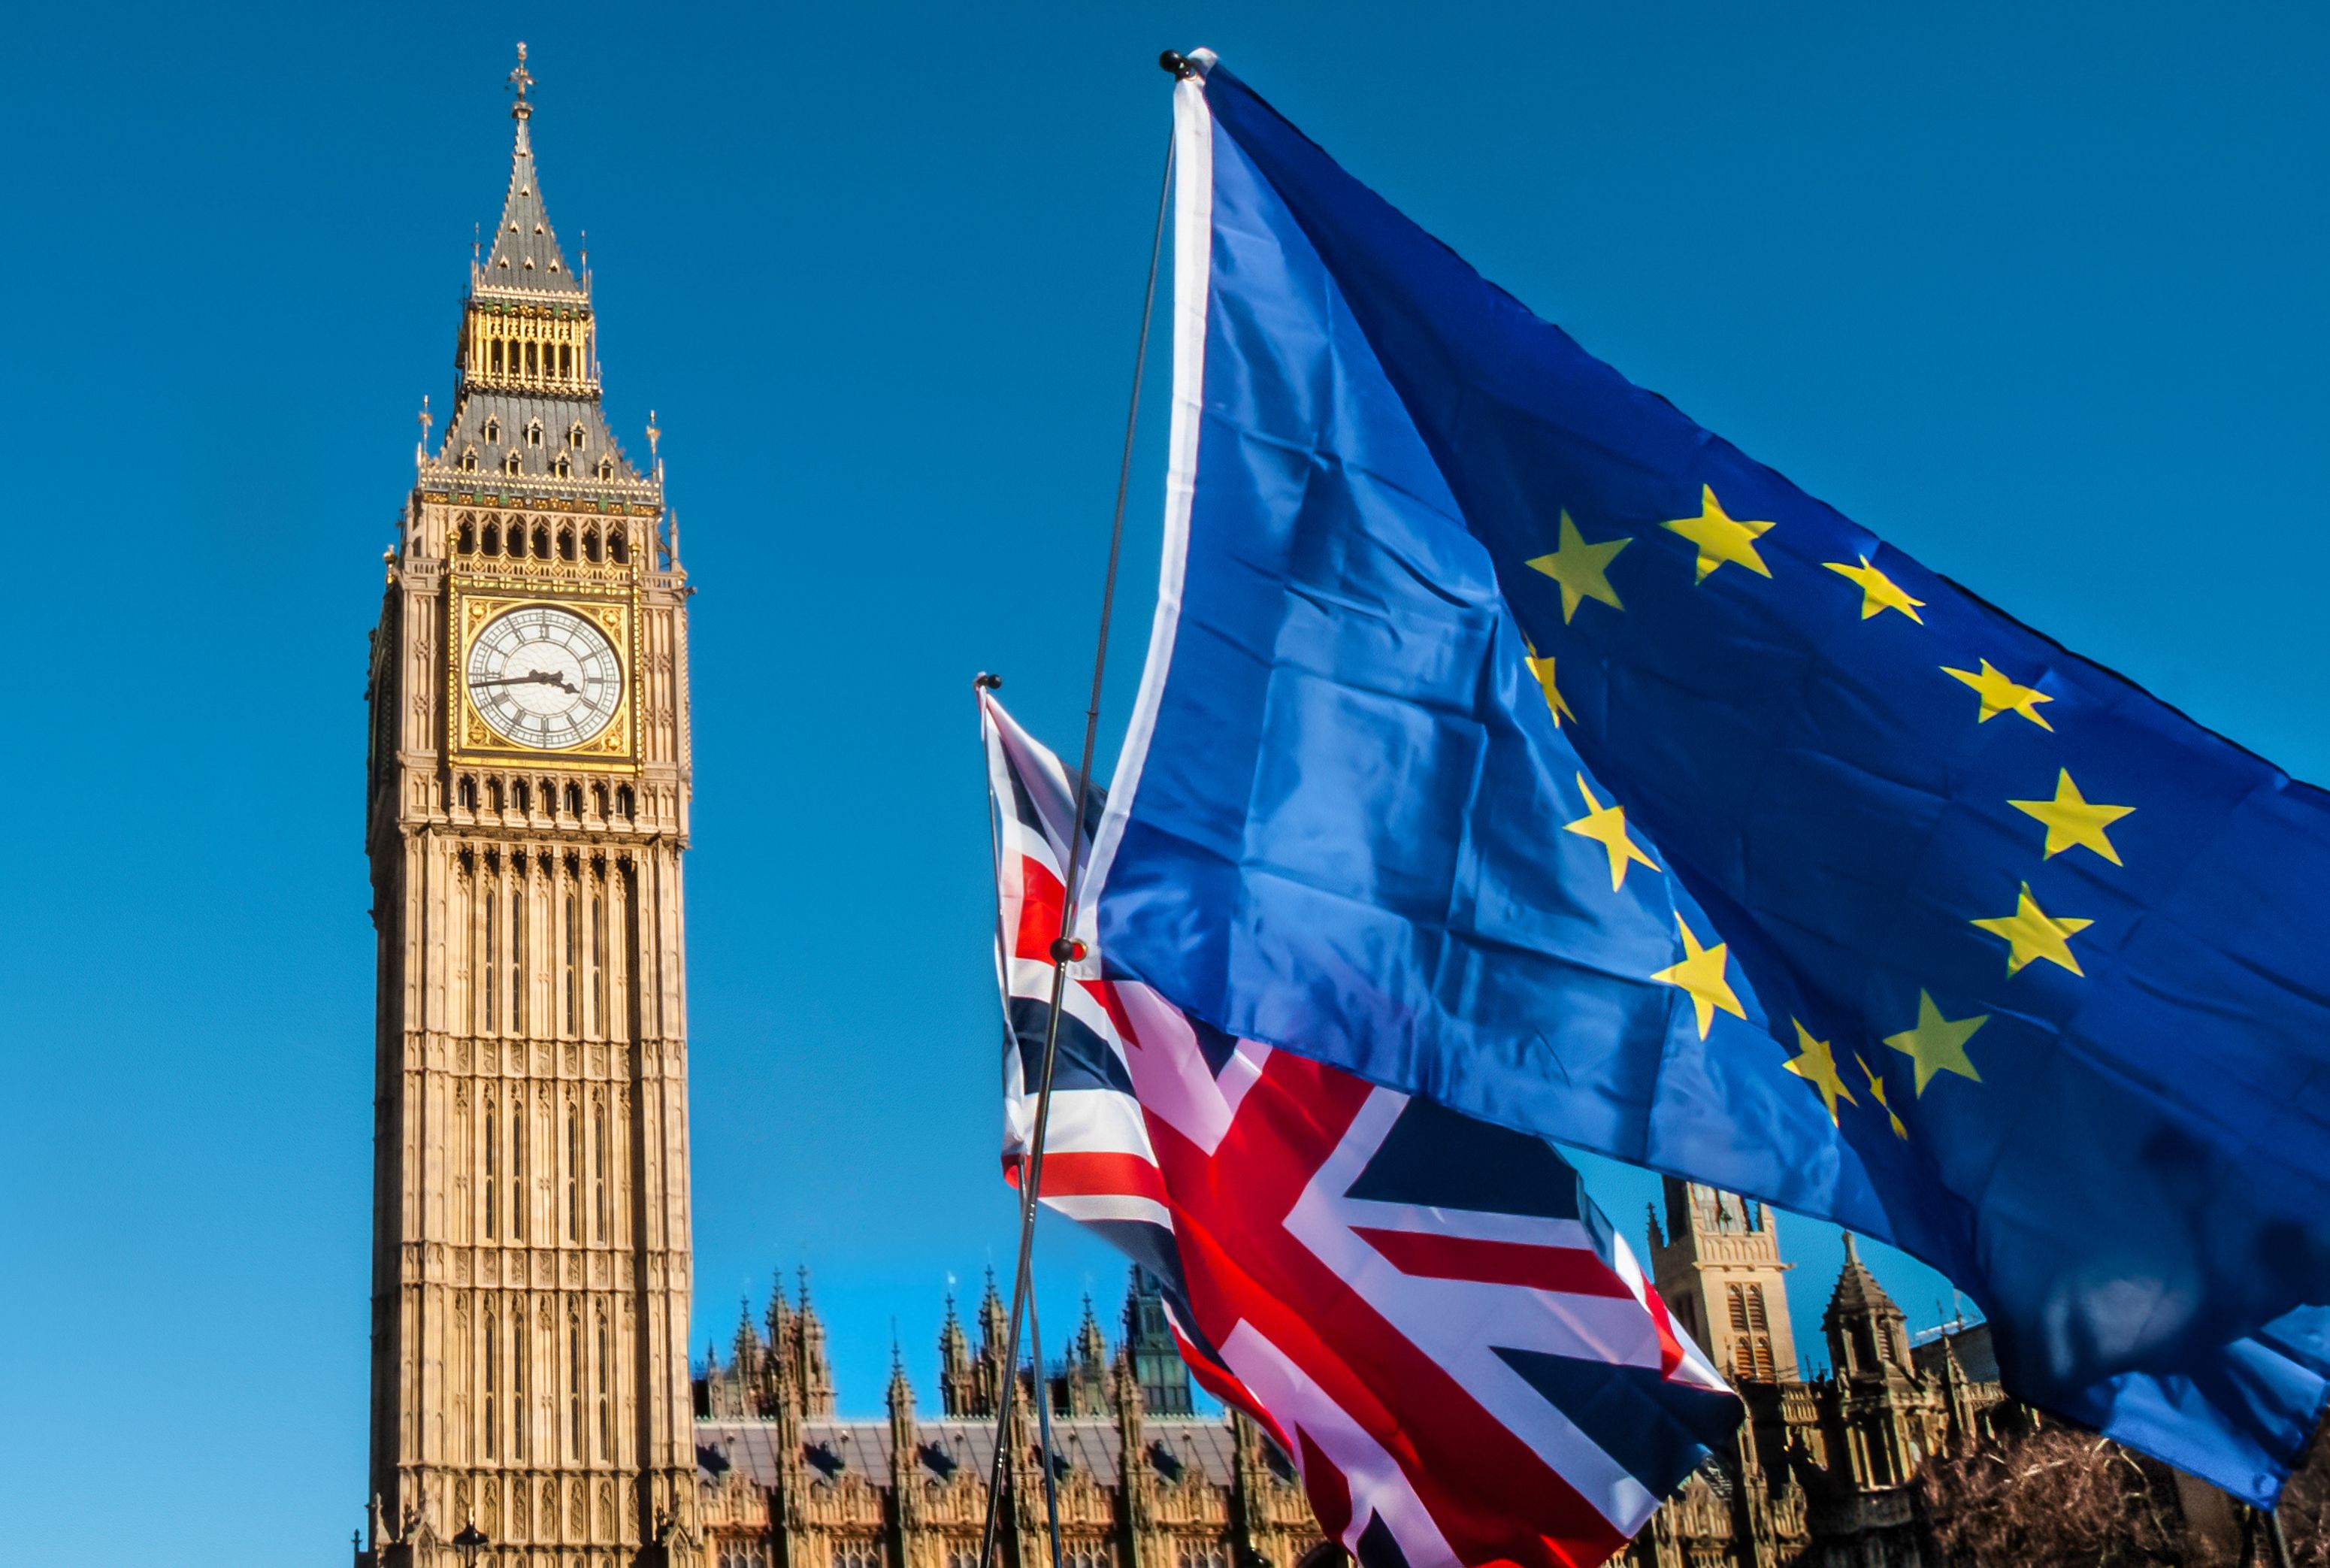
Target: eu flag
(1510,740)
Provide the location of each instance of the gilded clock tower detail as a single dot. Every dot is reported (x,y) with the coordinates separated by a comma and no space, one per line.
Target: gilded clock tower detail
(527,809)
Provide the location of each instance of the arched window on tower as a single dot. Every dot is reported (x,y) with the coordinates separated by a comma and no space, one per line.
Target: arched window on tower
(522,795)
(618,541)
(574,1381)
(533,359)
(510,462)
(517,954)
(534,432)
(563,469)
(626,802)
(573,800)
(573,995)
(493,1169)
(517,1170)
(465,793)
(566,536)
(493,1338)
(540,542)
(466,539)
(566,360)
(599,1171)
(591,543)
(1760,1327)
(597,988)
(574,1174)
(493,432)
(493,535)
(606,1415)
(574,434)
(469,460)
(518,1384)
(496,356)
(494,793)
(493,974)
(599,801)
(1743,1350)
(606,468)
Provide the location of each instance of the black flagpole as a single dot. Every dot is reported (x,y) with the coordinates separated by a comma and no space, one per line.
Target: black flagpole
(990,682)
(1037,1391)
(1066,950)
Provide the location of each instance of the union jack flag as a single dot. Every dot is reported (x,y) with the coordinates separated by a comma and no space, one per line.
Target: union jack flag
(1428,1312)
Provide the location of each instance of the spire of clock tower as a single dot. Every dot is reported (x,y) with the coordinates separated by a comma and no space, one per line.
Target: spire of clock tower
(527,388)
(526,254)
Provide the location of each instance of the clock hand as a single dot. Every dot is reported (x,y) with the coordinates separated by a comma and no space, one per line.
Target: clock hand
(532,678)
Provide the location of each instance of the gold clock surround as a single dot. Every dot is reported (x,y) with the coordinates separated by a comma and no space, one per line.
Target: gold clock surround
(476,603)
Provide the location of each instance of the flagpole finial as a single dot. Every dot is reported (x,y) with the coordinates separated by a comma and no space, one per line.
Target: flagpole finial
(987,682)
(1177,64)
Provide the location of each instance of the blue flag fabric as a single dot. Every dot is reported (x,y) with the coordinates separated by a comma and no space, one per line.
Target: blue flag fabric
(1510,740)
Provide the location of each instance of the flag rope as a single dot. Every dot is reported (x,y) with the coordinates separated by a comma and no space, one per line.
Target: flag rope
(1065,950)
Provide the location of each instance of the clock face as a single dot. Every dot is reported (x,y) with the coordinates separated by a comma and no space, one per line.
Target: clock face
(544,677)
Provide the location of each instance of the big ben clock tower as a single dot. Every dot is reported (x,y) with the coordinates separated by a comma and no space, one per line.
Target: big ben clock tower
(527,809)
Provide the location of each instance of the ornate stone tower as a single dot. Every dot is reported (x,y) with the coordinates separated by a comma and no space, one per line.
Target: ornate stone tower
(527,809)
(1157,1364)
(1881,1397)
(1718,1267)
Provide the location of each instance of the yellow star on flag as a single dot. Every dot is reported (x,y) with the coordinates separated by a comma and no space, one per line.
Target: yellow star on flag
(2031,933)
(1606,826)
(1877,1091)
(1878,591)
(1543,670)
(2073,820)
(1580,567)
(1699,975)
(1937,1045)
(1722,540)
(1999,695)
(1816,1065)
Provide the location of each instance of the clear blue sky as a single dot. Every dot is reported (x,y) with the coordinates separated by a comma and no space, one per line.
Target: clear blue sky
(2036,291)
